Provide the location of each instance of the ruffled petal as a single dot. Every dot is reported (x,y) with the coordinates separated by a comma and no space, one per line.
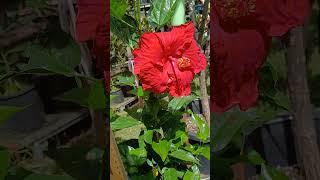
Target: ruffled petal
(150,50)
(153,78)
(178,39)
(198,59)
(235,68)
(179,81)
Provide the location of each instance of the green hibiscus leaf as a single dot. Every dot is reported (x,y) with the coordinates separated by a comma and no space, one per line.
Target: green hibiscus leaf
(177,103)
(162,148)
(118,8)
(123,122)
(162,11)
(255,158)
(170,174)
(184,156)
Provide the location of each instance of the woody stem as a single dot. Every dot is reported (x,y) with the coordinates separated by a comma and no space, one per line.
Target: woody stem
(202,78)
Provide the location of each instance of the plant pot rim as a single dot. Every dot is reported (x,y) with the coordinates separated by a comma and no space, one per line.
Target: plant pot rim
(27,89)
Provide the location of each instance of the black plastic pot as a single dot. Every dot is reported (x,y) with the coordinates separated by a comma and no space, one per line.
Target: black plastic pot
(196,106)
(49,87)
(119,97)
(125,90)
(31,117)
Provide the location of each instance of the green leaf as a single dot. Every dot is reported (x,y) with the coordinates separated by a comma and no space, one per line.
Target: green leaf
(118,8)
(60,61)
(93,97)
(148,176)
(75,95)
(269,173)
(140,92)
(70,56)
(255,158)
(4,163)
(139,152)
(123,29)
(263,114)
(162,148)
(203,128)
(204,151)
(182,136)
(225,132)
(181,102)
(191,176)
(8,111)
(126,80)
(170,174)
(128,133)
(190,148)
(148,135)
(97,98)
(141,142)
(282,100)
(184,156)
(162,11)
(123,122)
(136,157)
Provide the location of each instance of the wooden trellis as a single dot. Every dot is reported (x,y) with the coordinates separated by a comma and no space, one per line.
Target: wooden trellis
(117,171)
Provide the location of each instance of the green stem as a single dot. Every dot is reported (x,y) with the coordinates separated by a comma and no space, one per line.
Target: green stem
(179,14)
(137,15)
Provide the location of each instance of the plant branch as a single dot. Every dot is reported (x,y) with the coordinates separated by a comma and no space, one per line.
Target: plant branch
(202,78)
(303,122)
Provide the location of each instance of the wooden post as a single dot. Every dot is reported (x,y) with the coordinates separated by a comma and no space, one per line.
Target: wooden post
(117,171)
(303,123)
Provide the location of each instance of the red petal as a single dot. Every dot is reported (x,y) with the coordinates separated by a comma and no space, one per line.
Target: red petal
(282,15)
(178,39)
(150,50)
(92,25)
(181,80)
(235,67)
(153,78)
(277,17)
(198,59)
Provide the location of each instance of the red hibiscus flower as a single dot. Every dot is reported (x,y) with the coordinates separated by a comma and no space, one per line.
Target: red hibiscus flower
(92,25)
(241,36)
(168,61)
(237,58)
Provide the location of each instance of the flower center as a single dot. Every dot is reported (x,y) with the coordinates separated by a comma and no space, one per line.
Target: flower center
(183,63)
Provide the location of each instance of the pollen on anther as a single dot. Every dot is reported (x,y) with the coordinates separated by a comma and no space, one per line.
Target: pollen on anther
(183,63)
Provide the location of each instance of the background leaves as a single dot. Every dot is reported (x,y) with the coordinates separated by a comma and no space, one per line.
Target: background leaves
(162,11)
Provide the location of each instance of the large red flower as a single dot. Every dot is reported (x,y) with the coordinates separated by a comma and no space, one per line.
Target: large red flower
(241,36)
(92,25)
(168,61)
